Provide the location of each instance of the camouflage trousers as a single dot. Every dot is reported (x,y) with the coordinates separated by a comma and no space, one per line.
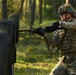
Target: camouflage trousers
(68,68)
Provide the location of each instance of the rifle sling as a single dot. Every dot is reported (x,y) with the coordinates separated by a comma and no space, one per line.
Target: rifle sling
(61,41)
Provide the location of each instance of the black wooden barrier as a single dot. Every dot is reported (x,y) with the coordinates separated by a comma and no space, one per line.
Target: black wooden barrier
(9,33)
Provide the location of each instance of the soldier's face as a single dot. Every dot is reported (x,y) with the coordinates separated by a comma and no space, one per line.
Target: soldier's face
(66,16)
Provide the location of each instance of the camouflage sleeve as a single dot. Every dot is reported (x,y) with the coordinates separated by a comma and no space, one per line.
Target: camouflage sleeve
(68,25)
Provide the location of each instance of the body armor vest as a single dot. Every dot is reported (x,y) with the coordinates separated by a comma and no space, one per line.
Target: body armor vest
(69,43)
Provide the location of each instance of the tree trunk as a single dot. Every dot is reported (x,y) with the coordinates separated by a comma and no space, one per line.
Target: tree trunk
(25,8)
(40,11)
(54,8)
(4,9)
(32,9)
(20,10)
(45,4)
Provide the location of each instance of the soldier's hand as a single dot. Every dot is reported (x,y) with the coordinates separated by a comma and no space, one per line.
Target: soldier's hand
(38,31)
(33,30)
(56,24)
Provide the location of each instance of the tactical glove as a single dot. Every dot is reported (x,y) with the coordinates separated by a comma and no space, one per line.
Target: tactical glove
(56,23)
(38,31)
(33,30)
(52,28)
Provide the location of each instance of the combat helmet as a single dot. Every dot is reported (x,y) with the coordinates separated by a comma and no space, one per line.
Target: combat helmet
(66,8)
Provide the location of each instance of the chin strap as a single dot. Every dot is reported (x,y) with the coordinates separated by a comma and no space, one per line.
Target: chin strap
(66,18)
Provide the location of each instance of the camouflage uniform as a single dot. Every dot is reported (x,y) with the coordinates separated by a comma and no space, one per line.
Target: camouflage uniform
(67,62)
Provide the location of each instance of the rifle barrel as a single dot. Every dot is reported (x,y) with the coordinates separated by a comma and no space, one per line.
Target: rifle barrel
(24,30)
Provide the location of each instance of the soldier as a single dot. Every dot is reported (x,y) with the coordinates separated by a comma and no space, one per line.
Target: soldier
(67,43)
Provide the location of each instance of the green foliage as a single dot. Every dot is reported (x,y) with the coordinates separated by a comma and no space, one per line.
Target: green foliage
(11,7)
(48,13)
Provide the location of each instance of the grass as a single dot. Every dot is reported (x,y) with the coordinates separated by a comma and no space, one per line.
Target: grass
(32,56)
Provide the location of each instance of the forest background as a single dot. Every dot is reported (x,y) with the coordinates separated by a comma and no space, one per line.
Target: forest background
(32,55)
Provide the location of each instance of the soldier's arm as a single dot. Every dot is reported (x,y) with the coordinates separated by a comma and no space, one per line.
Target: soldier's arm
(68,25)
(52,28)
